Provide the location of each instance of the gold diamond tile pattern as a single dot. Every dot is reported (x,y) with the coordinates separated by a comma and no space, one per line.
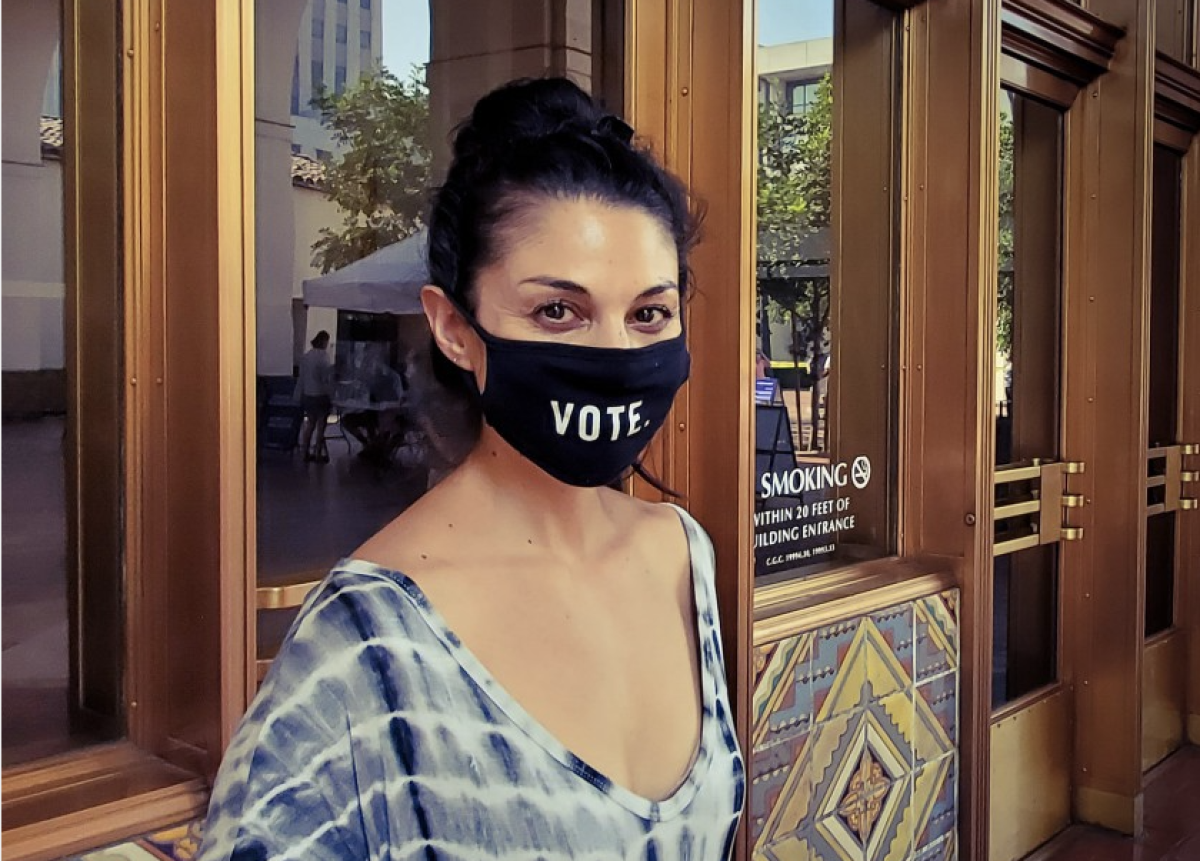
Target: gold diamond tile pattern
(866,764)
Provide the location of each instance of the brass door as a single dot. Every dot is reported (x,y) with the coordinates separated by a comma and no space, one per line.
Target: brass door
(1172,470)
(1031,700)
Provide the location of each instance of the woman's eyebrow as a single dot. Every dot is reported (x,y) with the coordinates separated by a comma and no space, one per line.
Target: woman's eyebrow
(658,289)
(557,284)
(569,286)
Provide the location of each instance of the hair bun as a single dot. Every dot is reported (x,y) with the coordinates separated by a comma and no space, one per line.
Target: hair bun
(528,110)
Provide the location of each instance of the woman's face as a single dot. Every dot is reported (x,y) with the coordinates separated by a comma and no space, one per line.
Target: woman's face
(583,272)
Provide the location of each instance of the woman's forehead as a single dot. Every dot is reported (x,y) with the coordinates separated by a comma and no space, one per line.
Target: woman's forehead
(585,240)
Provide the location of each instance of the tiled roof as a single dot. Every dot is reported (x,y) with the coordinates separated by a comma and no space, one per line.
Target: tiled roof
(307,172)
(52,136)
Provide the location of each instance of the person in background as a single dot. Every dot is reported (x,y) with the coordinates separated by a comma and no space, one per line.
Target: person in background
(526,663)
(316,389)
(762,365)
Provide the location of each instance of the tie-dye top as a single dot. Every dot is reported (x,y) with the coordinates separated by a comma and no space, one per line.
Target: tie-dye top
(377,734)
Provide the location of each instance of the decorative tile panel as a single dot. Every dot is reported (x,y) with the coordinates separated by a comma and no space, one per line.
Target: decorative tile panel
(936,635)
(783,698)
(855,734)
(936,728)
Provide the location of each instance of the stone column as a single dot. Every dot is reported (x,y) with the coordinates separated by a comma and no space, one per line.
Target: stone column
(276,26)
(33,289)
(479,44)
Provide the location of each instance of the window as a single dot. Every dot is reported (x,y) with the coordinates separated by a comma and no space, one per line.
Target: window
(1165,383)
(295,106)
(392,431)
(318,29)
(1028,327)
(825,403)
(802,95)
(364,4)
(63,468)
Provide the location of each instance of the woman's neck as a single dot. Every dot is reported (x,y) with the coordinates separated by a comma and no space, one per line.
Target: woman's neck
(528,501)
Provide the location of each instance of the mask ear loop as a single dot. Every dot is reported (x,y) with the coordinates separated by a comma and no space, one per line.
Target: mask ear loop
(641,472)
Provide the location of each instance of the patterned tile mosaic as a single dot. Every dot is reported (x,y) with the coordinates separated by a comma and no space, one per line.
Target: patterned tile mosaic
(855,734)
(936,635)
(172,844)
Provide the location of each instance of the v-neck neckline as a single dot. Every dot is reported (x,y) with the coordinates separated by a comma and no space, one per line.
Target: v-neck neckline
(647,808)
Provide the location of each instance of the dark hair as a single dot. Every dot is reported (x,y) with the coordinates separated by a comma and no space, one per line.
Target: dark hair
(534,139)
(320,337)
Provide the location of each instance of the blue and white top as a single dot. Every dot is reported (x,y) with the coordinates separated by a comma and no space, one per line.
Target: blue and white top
(378,735)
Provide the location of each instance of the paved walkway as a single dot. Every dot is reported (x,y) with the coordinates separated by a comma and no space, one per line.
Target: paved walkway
(1172,811)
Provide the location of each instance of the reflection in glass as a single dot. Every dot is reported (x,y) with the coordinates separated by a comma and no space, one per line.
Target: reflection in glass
(820,497)
(1027,380)
(348,144)
(1028,316)
(1164,378)
(343,164)
(61,662)
(1160,573)
(1025,640)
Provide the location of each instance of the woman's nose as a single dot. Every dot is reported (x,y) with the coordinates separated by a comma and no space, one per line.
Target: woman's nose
(613,333)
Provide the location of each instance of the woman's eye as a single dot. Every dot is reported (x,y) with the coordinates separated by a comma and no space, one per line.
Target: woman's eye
(556,312)
(649,315)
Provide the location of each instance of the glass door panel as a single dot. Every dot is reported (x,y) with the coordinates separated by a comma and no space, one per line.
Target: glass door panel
(62,378)
(355,106)
(1028,373)
(825,336)
(1162,417)
(1164,655)
(1030,729)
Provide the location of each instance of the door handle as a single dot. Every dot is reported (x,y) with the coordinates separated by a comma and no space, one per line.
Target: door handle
(1047,500)
(1171,477)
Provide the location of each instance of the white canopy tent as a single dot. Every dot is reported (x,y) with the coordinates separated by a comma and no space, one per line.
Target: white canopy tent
(387,281)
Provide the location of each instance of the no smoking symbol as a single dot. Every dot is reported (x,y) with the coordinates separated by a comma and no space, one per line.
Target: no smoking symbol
(860,472)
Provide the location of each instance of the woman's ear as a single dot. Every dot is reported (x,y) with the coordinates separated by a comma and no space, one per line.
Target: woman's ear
(453,335)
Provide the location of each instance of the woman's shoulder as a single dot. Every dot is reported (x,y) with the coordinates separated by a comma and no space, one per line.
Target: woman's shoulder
(661,520)
(358,606)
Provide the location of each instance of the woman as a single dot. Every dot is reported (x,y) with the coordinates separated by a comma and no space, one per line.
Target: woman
(316,386)
(526,663)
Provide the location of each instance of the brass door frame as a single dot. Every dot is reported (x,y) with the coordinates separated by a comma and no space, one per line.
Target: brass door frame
(93,234)
(1188,549)
(955,73)
(1177,126)
(1113,219)
(951,130)
(184,157)
(1045,712)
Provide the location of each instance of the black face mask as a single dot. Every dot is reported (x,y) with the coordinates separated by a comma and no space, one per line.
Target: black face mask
(581,414)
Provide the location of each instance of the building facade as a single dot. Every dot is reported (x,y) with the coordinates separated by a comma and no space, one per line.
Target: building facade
(943,422)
